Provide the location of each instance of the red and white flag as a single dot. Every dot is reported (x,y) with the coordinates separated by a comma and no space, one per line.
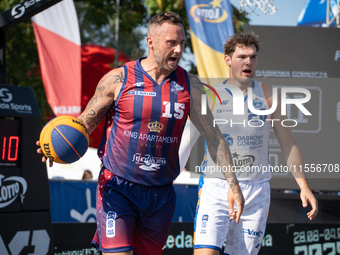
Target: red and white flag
(57,34)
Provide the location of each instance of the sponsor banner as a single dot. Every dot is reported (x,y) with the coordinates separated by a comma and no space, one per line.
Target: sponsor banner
(22,11)
(280,237)
(25,190)
(314,13)
(303,239)
(26,233)
(81,206)
(180,239)
(58,40)
(292,57)
(11,188)
(211,24)
(314,239)
(16,100)
(75,238)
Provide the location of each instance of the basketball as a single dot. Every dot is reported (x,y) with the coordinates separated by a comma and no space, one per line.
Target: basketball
(64,139)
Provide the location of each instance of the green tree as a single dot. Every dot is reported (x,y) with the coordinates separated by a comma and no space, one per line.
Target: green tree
(96,26)
(22,61)
(96,21)
(239,19)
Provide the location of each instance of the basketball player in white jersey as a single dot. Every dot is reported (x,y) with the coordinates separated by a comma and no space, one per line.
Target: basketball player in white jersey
(248,138)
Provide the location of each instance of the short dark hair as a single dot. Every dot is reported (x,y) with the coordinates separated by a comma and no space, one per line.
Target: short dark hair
(87,172)
(164,17)
(243,39)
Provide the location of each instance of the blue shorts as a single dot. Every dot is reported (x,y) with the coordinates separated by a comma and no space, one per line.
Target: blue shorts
(131,216)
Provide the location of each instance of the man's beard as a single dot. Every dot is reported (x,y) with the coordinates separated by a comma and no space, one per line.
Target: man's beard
(160,62)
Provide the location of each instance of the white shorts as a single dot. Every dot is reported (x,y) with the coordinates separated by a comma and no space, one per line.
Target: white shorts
(212,223)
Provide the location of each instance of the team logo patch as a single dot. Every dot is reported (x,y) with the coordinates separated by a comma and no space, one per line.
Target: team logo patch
(155,126)
(257,102)
(142,93)
(139,84)
(176,88)
(111,224)
(205,219)
(225,102)
(148,162)
(228,139)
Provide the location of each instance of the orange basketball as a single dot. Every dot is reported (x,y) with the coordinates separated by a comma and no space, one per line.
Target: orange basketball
(64,139)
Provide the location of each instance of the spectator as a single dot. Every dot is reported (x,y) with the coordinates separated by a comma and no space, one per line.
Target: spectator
(87,175)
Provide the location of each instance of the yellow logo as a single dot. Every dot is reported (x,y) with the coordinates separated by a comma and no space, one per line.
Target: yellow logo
(214,14)
(155,126)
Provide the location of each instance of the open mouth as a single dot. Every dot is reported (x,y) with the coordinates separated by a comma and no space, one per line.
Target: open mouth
(247,71)
(173,59)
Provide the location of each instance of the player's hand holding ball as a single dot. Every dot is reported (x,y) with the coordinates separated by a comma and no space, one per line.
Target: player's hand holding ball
(63,140)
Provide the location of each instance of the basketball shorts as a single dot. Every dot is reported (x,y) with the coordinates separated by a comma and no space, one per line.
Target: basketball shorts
(213,226)
(132,216)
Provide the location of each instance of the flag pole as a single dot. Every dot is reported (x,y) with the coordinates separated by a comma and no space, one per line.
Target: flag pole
(117,34)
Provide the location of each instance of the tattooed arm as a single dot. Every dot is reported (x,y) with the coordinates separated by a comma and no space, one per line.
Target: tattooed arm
(103,99)
(217,146)
(106,93)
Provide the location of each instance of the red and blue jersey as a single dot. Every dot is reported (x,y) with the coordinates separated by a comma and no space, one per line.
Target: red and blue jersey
(143,129)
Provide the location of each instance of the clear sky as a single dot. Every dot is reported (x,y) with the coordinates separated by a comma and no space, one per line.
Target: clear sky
(287,14)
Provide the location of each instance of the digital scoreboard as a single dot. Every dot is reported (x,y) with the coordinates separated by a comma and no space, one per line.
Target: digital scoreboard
(24,184)
(10,142)
(24,187)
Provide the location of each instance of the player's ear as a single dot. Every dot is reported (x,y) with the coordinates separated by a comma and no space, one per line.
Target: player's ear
(227,60)
(150,42)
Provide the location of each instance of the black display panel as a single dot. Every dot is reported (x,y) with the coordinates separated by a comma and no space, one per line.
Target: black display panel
(26,233)
(23,177)
(10,142)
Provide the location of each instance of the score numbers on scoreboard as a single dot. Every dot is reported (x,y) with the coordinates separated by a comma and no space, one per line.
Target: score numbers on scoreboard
(9,142)
(24,183)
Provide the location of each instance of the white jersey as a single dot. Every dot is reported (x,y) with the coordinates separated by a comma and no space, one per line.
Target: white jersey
(247,135)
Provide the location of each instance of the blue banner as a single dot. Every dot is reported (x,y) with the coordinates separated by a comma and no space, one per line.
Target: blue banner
(75,201)
(211,24)
(314,13)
